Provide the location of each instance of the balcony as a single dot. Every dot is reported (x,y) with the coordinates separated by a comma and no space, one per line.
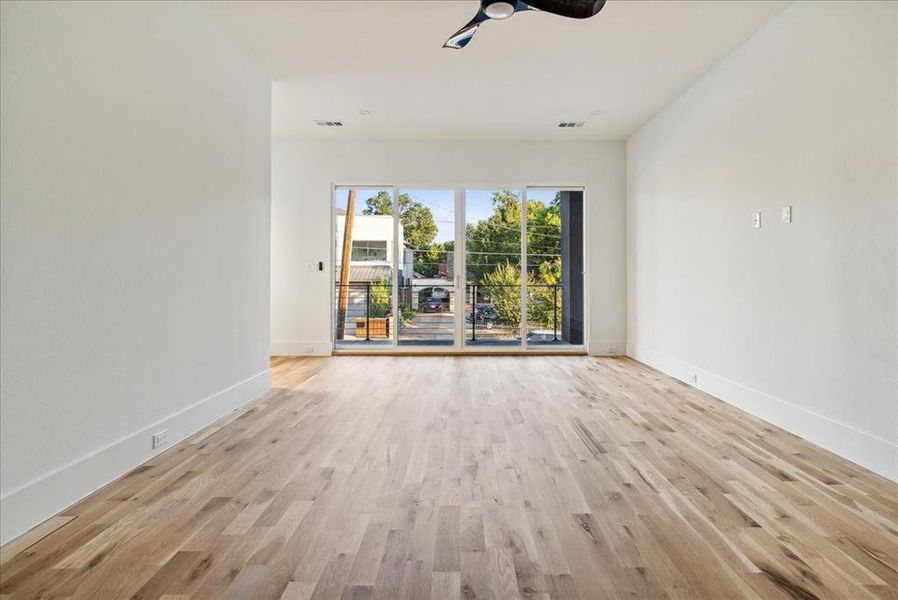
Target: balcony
(491,316)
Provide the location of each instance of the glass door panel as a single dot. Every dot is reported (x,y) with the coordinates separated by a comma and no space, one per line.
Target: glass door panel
(364,272)
(554,267)
(493,293)
(428,302)
(398,277)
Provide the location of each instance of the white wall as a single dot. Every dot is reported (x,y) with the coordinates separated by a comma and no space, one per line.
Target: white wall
(135,241)
(795,323)
(302,174)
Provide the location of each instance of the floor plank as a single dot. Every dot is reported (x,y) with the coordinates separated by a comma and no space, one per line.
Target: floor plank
(460,477)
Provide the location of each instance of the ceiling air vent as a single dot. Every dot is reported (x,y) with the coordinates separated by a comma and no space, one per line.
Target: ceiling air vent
(329,123)
(571,124)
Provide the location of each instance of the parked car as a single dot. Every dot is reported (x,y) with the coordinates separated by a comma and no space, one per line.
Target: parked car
(432,305)
(440,293)
(485,314)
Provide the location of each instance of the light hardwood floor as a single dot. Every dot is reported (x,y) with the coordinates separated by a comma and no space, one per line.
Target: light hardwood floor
(501,477)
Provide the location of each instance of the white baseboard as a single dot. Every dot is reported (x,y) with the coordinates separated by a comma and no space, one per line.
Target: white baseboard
(869,451)
(606,348)
(37,500)
(595,348)
(301,348)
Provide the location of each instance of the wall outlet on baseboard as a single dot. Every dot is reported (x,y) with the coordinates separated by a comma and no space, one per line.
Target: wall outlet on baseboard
(694,378)
(160,438)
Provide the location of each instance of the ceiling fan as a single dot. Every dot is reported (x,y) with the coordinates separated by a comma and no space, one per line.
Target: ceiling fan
(502,9)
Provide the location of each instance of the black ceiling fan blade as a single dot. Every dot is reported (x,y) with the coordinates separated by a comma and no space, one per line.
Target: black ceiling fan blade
(460,38)
(575,9)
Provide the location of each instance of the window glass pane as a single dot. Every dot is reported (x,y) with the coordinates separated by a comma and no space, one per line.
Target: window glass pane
(363,271)
(369,250)
(493,267)
(427,298)
(554,267)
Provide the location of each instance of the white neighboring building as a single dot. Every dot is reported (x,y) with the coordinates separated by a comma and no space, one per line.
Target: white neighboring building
(371,259)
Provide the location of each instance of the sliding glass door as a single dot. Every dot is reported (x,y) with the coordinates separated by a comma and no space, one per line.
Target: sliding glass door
(364,267)
(493,251)
(428,302)
(554,282)
(457,269)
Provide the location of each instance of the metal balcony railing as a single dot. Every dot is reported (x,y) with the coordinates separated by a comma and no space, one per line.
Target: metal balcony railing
(485,309)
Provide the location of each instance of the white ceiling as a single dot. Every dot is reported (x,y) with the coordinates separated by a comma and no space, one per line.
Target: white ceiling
(515,80)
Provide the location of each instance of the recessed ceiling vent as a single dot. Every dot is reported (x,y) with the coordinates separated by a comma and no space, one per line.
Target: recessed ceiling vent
(571,124)
(329,123)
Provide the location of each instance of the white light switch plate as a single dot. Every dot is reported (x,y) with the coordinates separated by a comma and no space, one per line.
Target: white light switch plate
(756,220)
(787,214)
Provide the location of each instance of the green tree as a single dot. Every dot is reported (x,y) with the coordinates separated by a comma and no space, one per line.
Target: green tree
(494,251)
(418,225)
(496,240)
(494,246)
(550,271)
(429,258)
(502,287)
(544,251)
(379,299)
(544,304)
(544,240)
(381,204)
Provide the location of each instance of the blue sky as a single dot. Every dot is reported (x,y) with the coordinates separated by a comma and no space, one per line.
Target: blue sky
(442,205)
(478,204)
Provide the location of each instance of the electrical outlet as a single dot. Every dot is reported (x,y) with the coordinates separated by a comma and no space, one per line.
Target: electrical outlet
(756,220)
(694,378)
(160,438)
(786,214)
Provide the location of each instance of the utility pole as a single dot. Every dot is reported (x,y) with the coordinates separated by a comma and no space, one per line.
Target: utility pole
(343,291)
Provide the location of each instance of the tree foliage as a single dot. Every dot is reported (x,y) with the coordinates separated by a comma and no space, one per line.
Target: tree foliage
(418,225)
(494,247)
(494,253)
(379,299)
(502,288)
(429,258)
(496,240)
